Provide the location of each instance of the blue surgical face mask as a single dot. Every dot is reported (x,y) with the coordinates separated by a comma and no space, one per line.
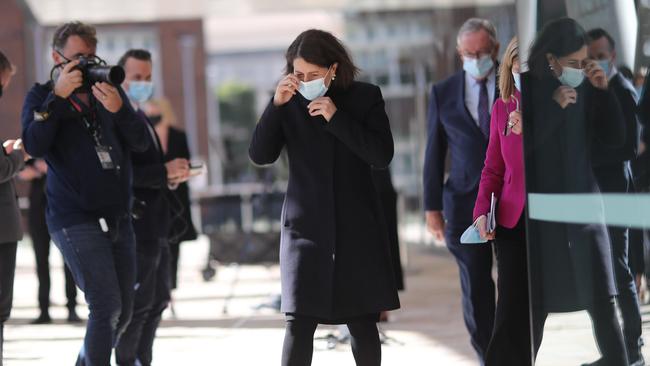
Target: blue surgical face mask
(313,89)
(571,76)
(517,78)
(140,91)
(604,64)
(478,68)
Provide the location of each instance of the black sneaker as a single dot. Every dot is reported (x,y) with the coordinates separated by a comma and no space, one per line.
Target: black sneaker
(44,318)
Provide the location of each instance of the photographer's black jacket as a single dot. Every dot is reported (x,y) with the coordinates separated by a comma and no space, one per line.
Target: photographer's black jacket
(78,189)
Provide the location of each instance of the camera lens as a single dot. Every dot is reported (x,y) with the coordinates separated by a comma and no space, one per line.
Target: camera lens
(109,74)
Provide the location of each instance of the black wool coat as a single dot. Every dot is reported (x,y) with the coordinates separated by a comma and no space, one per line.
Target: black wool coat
(334,255)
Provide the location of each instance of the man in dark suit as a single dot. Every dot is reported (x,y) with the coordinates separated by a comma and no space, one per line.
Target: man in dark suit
(11,161)
(459,123)
(151,176)
(612,171)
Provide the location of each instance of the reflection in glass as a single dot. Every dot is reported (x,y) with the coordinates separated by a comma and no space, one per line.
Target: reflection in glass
(569,112)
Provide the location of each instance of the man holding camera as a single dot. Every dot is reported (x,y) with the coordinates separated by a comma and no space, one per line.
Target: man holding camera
(151,177)
(83,126)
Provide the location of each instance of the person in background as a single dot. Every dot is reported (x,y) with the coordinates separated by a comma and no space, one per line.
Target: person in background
(174,144)
(503,176)
(12,159)
(335,259)
(614,175)
(459,128)
(569,109)
(35,172)
(151,177)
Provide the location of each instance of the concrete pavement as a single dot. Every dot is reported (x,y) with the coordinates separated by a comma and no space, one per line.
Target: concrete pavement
(218,322)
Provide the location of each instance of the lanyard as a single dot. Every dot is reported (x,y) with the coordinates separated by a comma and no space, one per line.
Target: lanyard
(92,126)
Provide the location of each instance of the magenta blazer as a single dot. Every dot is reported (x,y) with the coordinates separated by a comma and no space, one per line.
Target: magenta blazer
(503,172)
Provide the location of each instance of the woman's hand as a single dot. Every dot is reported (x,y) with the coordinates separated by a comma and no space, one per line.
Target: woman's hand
(323,106)
(515,122)
(481,225)
(565,95)
(596,75)
(286,89)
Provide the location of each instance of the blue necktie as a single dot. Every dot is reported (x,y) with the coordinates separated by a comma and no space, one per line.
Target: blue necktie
(484,109)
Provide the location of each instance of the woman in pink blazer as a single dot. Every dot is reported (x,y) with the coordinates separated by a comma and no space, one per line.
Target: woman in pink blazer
(503,175)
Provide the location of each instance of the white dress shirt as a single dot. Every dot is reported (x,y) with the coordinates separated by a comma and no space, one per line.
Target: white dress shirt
(473,90)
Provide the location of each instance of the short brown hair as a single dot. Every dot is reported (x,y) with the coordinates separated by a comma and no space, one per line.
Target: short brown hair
(323,49)
(79,29)
(506,80)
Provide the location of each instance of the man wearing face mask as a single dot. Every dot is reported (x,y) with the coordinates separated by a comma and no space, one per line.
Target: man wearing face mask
(86,133)
(612,171)
(151,176)
(459,122)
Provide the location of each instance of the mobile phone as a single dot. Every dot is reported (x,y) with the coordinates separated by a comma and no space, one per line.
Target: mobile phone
(196,168)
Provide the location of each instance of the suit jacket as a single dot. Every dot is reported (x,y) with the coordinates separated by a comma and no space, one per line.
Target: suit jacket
(10,225)
(334,254)
(451,127)
(149,185)
(604,155)
(182,227)
(503,173)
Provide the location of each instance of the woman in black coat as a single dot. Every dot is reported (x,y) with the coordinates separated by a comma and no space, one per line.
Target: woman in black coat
(568,111)
(334,257)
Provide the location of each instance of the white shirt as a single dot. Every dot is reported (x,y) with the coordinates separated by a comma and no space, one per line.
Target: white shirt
(473,92)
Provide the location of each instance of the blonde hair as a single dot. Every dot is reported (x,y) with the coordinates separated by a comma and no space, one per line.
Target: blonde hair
(506,80)
(166,111)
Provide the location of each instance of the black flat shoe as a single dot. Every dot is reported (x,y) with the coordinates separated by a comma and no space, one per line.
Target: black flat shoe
(42,319)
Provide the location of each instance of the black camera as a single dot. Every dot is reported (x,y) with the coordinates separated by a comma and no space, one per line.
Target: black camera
(94,70)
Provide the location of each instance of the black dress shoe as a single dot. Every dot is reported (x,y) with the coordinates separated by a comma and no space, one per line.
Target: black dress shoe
(73,317)
(42,319)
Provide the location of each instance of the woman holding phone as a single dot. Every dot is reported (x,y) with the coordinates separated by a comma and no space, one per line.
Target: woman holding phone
(334,256)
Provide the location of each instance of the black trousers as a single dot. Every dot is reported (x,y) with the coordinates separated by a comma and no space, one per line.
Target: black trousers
(625,243)
(174,253)
(299,342)
(152,296)
(41,243)
(510,343)
(627,298)
(7,271)
(479,295)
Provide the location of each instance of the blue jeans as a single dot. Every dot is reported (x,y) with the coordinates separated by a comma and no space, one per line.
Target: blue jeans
(103,266)
(152,296)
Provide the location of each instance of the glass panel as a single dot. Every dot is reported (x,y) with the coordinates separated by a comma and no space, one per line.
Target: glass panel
(585,165)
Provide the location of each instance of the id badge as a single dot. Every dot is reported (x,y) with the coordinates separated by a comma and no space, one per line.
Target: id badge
(104,156)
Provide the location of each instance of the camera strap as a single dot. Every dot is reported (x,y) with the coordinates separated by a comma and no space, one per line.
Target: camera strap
(89,119)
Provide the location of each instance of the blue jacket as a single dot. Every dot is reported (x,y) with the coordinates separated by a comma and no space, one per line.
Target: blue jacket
(78,189)
(452,128)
